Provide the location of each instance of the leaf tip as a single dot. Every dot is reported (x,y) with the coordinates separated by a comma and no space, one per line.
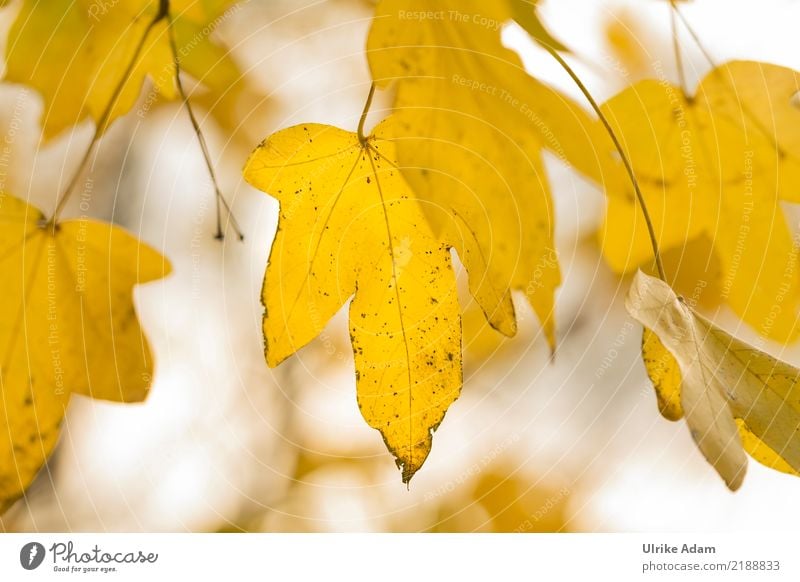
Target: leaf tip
(407,476)
(734,481)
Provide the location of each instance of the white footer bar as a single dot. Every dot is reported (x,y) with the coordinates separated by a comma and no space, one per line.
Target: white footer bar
(399,557)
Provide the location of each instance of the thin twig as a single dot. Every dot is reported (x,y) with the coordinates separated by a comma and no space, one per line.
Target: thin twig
(626,162)
(694,36)
(676,48)
(221,201)
(104,118)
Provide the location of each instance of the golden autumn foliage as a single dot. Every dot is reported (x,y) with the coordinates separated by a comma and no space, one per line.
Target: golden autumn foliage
(67,326)
(349,226)
(93,44)
(470,181)
(696,182)
(715,165)
(471,129)
(501,501)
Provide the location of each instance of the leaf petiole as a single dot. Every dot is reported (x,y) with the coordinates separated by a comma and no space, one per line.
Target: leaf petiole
(220,198)
(676,49)
(706,54)
(105,116)
(626,162)
(361,137)
(712,63)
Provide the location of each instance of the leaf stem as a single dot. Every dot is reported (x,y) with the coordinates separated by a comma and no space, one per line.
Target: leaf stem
(769,135)
(163,9)
(361,137)
(626,162)
(220,198)
(100,127)
(676,49)
(693,34)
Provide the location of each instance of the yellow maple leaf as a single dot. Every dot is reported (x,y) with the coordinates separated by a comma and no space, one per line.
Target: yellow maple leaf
(77,52)
(350,227)
(629,41)
(471,127)
(67,325)
(503,500)
(734,397)
(715,165)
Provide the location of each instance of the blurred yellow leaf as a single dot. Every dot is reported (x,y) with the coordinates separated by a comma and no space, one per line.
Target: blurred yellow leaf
(694,270)
(76,52)
(471,128)
(505,500)
(520,505)
(524,12)
(627,37)
(350,226)
(239,108)
(223,89)
(715,164)
(67,325)
(734,397)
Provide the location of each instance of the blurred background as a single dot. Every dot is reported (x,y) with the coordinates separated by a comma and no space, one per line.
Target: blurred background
(223,443)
